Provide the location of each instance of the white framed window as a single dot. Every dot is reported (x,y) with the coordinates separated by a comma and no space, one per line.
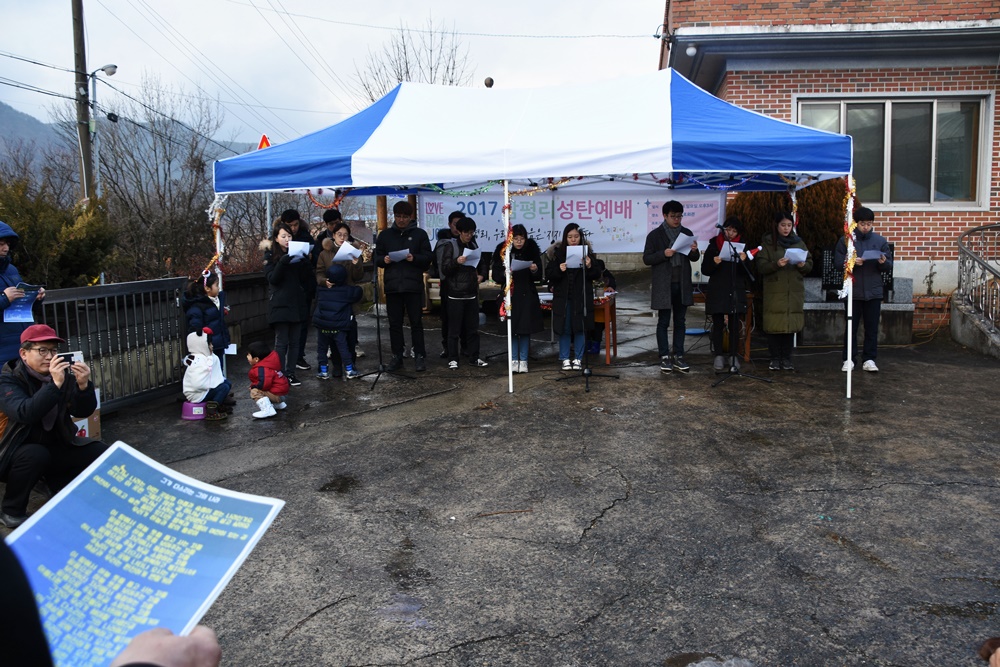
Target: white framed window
(912,152)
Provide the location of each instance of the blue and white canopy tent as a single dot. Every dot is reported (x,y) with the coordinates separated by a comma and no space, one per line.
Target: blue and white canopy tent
(657,128)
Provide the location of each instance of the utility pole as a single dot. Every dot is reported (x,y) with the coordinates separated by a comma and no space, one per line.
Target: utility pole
(82,103)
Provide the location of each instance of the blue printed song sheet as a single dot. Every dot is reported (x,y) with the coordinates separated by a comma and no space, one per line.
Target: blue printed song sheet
(19,309)
(132,545)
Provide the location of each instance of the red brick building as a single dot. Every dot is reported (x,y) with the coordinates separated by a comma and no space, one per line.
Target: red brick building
(913,81)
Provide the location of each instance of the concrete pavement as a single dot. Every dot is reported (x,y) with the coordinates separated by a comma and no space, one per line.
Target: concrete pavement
(437,519)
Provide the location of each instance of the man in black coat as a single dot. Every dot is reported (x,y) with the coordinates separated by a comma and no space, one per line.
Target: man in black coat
(38,393)
(403,281)
(300,232)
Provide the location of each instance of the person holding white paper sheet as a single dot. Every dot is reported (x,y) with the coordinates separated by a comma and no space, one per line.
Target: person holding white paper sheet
(525,308)
(573,295)
(334,247)
(403,279)
(301,234)
(10,332)
(38,393)
(460,266)
(726,287)
(672,289)
(784,289)
(867,290)
(287,300)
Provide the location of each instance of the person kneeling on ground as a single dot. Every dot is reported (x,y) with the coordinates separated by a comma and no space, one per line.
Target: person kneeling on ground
(39,392)
(203,380)
(268,384)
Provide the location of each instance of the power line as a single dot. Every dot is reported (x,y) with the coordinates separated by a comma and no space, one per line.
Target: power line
(204,59)
(188,95)
(295,53)
(189,50)
(35,89)
(171,118)
(312,50)
(459,33)
(171,63)
(35,62)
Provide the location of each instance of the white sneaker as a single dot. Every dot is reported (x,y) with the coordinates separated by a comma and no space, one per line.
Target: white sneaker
(577,365)
(481,363)
(848,366)
(453,365)
(515,366)
(524,367)
(266,409)
(358,352)
(280,406)
(567,365)
(870,366)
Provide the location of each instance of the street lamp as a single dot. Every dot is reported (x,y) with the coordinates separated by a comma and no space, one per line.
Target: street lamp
(109,70)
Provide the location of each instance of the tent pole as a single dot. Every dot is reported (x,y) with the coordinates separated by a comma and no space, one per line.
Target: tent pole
(850,328)
(851,254)
(506,267)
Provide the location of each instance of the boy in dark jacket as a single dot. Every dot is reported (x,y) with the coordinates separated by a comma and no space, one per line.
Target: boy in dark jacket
(867,289)
(334,318)
(268,384)
(463,293)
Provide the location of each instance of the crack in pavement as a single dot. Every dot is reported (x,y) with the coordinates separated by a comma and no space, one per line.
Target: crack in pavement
(596,520)
(310,616)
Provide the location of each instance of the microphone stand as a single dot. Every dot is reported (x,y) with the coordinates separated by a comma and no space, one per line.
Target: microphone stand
(586,373)
(734,368)
(382,368)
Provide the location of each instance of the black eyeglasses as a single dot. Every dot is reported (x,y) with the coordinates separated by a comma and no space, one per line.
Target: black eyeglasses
(45,352)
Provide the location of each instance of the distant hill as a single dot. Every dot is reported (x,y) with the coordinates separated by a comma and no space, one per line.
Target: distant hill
(16,126)
(21,127)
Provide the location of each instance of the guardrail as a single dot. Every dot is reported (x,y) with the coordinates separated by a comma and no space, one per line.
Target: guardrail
(979,273)
(131,335)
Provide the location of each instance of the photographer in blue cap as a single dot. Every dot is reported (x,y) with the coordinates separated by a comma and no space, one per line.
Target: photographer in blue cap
(38,392)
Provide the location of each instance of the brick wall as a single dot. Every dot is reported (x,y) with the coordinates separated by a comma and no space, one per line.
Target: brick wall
(919,235)
(703,13)
(931,312)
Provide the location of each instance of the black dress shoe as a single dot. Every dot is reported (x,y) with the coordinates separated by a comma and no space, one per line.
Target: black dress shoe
(395,363)
(12,521)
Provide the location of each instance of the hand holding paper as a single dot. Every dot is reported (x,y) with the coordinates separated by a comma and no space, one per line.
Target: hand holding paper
(346,253)
(574,256)
(298,250)
(726,254)
(472,256)
(24,297)
(683,244)
(398,255)
(796,255)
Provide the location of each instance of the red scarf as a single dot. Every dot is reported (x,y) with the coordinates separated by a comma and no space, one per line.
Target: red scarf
(720,240)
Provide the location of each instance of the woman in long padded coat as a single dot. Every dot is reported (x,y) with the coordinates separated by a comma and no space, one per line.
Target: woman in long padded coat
(526,310)
(726,289)
(287,304)
(572,296)
(784,289)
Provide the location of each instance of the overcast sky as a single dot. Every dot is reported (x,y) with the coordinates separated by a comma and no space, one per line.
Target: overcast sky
(261,58)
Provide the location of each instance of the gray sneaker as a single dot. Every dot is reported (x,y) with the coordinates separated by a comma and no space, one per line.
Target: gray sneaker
(720,363)
(665,365)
